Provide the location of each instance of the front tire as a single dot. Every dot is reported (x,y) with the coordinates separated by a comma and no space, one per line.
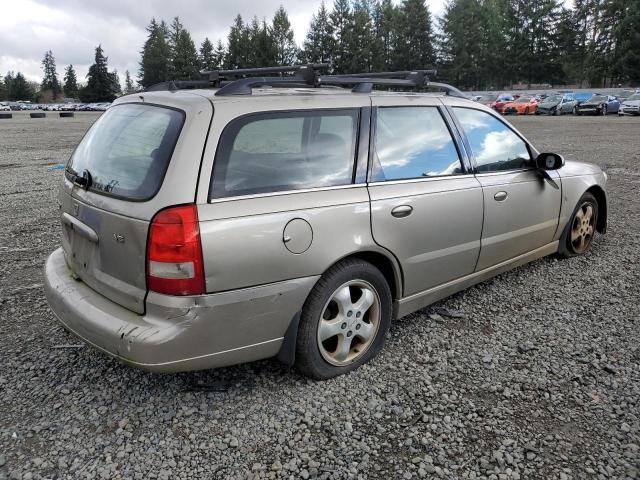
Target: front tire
(344,320)
(577,237)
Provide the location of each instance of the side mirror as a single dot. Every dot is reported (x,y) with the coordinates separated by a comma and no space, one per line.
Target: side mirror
(549,161)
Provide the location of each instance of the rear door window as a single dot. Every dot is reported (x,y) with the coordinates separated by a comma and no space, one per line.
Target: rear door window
(128,149)
(271,152)
(413,142)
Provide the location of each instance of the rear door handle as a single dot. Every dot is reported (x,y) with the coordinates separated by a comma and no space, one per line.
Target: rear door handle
(402,211)
(500,196)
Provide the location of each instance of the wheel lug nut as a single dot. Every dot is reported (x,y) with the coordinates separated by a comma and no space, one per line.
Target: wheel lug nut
(349,333)
(349,313)
(358,315)
(344,325)
(358,327)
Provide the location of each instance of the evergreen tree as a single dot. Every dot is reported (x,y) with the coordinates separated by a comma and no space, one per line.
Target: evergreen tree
(461,45)
(361,38)
(318,44)
(129,88)
(238,41)
(101,84)
(50,79)
(385,19)
(184,57)
(70,82)
(154,65)
(219,54)
(116,88)
(341,22)
(18,88)
(285,48)
(206,59)
(414,46)
(3,89)
(626,62)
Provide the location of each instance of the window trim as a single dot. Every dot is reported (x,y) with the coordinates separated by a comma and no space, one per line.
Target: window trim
(472,155)
(68,175)
(372,151)
(240,121)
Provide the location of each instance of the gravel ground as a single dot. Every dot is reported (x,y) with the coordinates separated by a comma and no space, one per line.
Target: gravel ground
(534,374)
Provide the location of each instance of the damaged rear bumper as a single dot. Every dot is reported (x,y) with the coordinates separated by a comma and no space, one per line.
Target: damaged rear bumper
(178,333)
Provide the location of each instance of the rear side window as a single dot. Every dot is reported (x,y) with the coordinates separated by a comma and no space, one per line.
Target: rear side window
(271,152)
(495,146)
(128,149)
(413,142)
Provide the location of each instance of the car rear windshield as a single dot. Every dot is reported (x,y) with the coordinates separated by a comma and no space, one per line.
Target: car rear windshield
(127,151)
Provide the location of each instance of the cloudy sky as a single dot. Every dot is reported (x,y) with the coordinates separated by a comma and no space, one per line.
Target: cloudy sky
(73,28)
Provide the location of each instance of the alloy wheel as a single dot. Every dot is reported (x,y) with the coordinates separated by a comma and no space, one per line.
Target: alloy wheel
(349,322)
(582,228)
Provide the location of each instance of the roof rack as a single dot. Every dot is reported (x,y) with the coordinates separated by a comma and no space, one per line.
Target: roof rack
(240,81)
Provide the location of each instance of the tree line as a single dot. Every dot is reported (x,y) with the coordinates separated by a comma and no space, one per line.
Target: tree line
(101,85)
(475,44)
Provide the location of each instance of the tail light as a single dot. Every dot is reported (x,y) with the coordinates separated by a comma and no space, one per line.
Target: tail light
(174,252)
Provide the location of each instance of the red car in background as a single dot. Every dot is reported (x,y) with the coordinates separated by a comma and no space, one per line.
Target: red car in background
(496,101)
(524,105)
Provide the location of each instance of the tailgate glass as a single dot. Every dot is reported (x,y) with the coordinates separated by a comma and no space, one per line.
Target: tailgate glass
(127,150)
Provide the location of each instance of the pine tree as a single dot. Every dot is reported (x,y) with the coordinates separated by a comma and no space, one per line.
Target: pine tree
(341,22)
(415,45)
(184,57)
(50,80)
(285,47)
(361,38)
(219,54)
(385,19)
(18,87)
(70,82)
(129,88)
(3,89)
(206,59)
(318,44)
(154,65)
(626,62)
(101,84)
(238,41)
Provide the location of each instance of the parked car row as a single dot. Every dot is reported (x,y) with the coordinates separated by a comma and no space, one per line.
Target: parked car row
(626,102)
(54,107)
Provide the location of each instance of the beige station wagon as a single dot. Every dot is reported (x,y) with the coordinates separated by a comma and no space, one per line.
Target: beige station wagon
(282,216)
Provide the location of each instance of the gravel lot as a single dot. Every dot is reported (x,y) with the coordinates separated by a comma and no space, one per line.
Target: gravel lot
(537,377)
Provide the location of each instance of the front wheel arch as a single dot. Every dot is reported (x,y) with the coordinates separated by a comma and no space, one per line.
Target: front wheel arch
(601,197)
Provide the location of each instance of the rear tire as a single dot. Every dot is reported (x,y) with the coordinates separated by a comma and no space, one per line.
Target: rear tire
(578,234)
(344,321)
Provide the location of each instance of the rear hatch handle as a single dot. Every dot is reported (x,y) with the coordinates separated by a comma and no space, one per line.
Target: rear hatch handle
(79,227)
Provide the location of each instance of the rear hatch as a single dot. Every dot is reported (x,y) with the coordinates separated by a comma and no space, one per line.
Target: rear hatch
(137,159)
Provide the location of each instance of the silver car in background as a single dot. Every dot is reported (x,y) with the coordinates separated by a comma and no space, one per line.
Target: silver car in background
(557,104)
(203,229)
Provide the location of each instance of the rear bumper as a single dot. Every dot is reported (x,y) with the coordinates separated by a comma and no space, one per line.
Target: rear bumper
(178,333)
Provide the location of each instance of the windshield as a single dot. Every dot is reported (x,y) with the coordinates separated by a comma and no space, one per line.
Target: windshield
(523,100)
(127,151)
(635,96)
(598,98)
(553,99)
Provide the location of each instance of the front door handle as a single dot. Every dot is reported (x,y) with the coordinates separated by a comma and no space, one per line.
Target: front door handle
(402,211)
(500,196)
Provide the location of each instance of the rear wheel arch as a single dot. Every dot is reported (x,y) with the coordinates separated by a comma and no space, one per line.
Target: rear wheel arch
(388,267)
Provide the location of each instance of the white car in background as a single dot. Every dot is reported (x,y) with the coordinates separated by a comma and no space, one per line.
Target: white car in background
(5,108)
(630,106)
